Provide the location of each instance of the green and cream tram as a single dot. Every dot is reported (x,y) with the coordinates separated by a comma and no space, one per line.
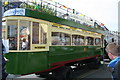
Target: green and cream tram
(39,42)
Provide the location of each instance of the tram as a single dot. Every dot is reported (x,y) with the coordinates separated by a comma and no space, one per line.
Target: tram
(41,42)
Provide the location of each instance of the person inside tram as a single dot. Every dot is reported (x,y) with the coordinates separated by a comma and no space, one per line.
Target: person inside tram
(13,47)
(24,44)
(113,51)
(62,38)
(81,41)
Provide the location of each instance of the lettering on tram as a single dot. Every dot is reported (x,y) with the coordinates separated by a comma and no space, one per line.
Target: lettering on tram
(40,47)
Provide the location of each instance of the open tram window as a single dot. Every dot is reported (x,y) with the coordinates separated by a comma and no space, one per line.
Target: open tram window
(24,36)
(77,40)
(97,41)
(90,41)
(12,34)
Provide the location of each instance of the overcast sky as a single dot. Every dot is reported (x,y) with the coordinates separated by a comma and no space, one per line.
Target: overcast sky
(104,11)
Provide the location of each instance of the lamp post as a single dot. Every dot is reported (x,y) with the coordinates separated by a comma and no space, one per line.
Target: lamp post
(0,39)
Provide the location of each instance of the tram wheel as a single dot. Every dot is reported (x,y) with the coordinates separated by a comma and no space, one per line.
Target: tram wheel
(62,73)
(95,64)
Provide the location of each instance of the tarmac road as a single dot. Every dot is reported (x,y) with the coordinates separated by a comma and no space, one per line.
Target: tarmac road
(102,73)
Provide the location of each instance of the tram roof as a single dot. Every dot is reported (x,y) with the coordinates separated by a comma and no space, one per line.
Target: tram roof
(44,16)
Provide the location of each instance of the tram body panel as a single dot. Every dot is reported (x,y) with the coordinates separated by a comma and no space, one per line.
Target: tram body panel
(42,54)
(66,53)
(23,63)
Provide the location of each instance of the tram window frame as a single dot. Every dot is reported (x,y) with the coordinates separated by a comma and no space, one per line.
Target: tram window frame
(78,40)
(55,38)
(99,43)
(31,47)
(88,41)
(24,35)
(43,33)
(35,31)
(61,38)
(13,40)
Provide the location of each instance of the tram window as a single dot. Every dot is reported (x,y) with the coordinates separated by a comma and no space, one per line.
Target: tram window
(59,38)
(55,38)
(12,34)
(90,41)
(39,33)
(82,40)
(77,40)
(65,39)
(35,33)
(3,30)
(97,41)
(24,35)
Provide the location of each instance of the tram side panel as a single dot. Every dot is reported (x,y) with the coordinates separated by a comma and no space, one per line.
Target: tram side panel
(60,55)
(30,62)
(26,62)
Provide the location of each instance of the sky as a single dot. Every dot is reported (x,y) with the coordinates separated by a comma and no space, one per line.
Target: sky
(104,11)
